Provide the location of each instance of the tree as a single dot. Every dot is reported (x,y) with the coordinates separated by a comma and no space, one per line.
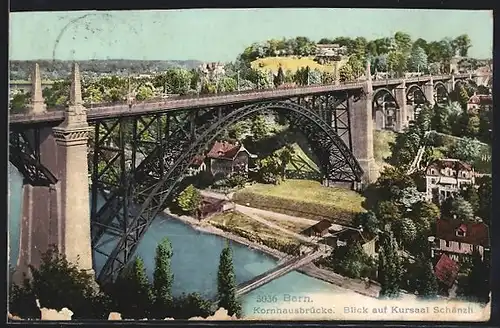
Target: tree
(269,169)
(476,287)
(473,125)
(280,77)
(379,63)
(403,42)
(406,231)
(462,43)
(470,194)
(19,103)
(226,84)
(144,92)
(408,197)
(346,73)
(421,43)
(418,60)
(389,270)
(427,286)
(425,209)
(397,60)
(351,264)
(485,200)
(132,292)
(368,221)
(462,209)
(162,279)
(440,120)
(315,76)
(463,96)
(226,283)
(57,283)
(466,149)
(258,127)
(286,156)
(191,305)
(387,212)
(189,199)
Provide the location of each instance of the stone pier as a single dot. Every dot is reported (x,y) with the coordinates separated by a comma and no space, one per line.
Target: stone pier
(362,130)
(58,214)
(402,116)
(429,92)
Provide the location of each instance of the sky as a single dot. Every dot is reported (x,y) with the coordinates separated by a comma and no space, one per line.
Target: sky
(222,34)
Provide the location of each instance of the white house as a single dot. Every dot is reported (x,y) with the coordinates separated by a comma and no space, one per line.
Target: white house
(445,178)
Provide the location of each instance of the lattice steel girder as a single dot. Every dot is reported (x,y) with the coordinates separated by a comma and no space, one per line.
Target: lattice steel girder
(170,133)
(313,127)
(26,157)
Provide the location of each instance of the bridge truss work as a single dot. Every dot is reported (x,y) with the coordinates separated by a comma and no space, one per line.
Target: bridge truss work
(138,163)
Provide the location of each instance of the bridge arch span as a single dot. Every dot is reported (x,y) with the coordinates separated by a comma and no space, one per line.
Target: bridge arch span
(384,116)
(411,91)
(335,156)
(441,93)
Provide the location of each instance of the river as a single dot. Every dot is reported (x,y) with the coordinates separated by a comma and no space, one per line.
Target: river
(195,259)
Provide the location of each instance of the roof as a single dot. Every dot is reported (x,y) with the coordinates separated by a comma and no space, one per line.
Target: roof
(351,234)
(452,163)
(197,160)
(446,270)
(223,150)
(481,99)
(320,226)
(476,233)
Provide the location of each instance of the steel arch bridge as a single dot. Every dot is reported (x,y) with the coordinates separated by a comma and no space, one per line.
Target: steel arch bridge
(164,146)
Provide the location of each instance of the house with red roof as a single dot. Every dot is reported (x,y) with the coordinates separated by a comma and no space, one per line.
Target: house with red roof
(477,101)
(459,239)
(446,177)
(226,158)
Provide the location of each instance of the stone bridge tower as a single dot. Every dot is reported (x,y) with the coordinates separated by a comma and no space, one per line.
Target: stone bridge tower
(360,111)
(58,214)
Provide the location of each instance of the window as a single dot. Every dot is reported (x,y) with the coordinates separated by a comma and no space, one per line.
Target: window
(432,171)
(459,245)
(433,181)
(460,233)
(447,243)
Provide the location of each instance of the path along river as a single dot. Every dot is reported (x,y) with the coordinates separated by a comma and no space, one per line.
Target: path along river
(195,259)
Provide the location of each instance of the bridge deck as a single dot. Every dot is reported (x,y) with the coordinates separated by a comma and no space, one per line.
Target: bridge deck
(277,272)
(123,109)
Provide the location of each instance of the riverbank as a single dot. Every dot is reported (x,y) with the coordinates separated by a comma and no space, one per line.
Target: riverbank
(210,229)
(366,289)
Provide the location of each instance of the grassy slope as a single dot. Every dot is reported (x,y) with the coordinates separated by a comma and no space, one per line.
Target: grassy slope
(304,198)
(381,146)
(291,63)
(299,152)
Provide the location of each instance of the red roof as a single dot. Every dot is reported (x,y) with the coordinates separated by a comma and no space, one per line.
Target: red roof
(223,150)
(481,99)
(475,233)
(446,270)
(197,160)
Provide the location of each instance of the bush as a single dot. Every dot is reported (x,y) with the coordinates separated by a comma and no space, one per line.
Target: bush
(191,305)
(58,283)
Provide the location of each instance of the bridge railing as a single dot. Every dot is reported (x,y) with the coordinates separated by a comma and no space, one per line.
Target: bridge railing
(286,91)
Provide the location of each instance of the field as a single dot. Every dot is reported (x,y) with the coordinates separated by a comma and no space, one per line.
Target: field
(382,145)
(304,198)
(293,226)
(291,63)
(254,231)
